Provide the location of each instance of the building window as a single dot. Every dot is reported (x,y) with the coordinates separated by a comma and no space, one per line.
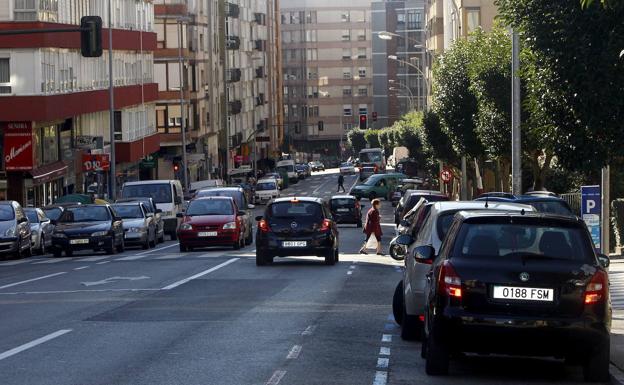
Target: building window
(362,72)
(346,73)
(401,19)
(473,19)
(311,17)
(5,71)
(311,54)
(346,91)
(345,16)
(313,92)
(361,35)
(414,20)
(347,126)
(311,35)
(363,109)
(347,110)
(361,53)
(346,54)
(312,73)
(346,35)
(312,111)
(25,10)
(363,91)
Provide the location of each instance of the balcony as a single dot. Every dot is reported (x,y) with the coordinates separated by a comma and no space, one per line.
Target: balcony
(260,18)
(260,101)
(260,73)
(235,107)
(232,42)
(260,45)
(232,10)
(233,75)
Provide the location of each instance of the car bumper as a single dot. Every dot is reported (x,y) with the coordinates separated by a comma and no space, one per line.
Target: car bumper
(8,245)
(95,243)
(135,238)
(223,238)
(347,218)
(315,245)
(264,198)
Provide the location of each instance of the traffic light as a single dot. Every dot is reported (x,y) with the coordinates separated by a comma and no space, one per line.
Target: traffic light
(176,167)
(363,122)
(320,125)
(374,116)
(91,36)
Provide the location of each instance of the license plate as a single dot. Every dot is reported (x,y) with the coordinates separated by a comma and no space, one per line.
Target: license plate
(342,210)
(207,234)
(294,244)
(79,241)
(523,293)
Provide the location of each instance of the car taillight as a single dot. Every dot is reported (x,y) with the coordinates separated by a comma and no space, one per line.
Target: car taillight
(326,225)
(596,290)
(376,169)
(263,225)
(449,282)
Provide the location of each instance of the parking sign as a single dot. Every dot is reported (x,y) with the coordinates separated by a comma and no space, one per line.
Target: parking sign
(591,206)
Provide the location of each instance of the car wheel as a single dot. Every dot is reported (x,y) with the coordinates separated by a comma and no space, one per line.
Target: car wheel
(330,258)
(436,357)
(174,236)
(261,259)
(359,224)
(28,252)
(57,253)
(69,253)
(154,240)
(237,245)
(372,195)
(183,249)
(121,247)
(41,250)
(596,368)
(411,327)
(337,256)
(161,239)
(397,303)
(394,253)
(113,248)
(249,239)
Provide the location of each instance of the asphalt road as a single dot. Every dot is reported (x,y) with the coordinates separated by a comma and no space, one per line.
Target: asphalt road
(213,317)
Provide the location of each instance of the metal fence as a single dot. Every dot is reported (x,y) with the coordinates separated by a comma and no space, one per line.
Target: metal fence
(574,200)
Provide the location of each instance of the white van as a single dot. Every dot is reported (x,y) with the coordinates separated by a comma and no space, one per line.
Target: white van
(289,167)
(266,189)
(168,196)
(202,184)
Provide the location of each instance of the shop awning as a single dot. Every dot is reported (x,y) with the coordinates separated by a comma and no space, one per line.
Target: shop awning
(132,152)
(48,172)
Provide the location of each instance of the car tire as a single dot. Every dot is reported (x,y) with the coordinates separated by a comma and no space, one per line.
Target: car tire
(69,253)
(57,253)
(397,303)
(330,258)
(146,244)
(42,249)
(183,249)
(372,195)
(237,245)
(154,240)
(436,357)
(261,259)
(359,224)
(596,368)
(28,253)
(411,327)
(111,250)
(249,239)
(121,247)
(161,239)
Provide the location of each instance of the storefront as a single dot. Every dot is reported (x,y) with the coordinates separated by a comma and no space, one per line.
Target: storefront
(46,185)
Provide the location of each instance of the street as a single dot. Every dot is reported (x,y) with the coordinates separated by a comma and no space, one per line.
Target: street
(213,317)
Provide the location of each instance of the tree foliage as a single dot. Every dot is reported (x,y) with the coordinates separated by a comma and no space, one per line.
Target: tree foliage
(372,138)
(356,140)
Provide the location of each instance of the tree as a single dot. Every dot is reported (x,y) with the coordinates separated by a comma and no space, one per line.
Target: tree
(372,138)
(436,139)
(355,138)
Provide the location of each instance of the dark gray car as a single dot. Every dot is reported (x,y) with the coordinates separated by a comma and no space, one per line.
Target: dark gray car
(14,230)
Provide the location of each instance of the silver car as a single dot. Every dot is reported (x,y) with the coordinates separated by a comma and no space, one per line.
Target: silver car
(409,297)
(138,224)
(151,207)
(41,229)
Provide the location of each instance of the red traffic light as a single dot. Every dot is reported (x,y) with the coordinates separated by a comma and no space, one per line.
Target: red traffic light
(374,116)
(176,167)
(363,122)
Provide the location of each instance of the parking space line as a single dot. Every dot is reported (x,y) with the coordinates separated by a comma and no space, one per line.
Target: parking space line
(131,257)
(382,363)
(381,378)
(384,351)
(32,280)
(171,256)
(20,262)
(386,338)
(276,377)
(159,248)
(198,275)
(309,330)
(102,263)
(294,352)
(34,343)
(92,259)
(81,268)
(52,260)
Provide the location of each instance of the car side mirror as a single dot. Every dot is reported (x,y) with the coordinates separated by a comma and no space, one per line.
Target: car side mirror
(424,254)
(259,218)
(150,215)
(158,211)
(251,206)
(180,215)
(405,240)
(604,260)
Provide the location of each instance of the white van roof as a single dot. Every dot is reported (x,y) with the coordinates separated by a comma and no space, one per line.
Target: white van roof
(162,181)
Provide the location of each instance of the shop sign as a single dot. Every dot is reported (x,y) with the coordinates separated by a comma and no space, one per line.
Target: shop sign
(95,162)
(18,146)
(148,162)
(89,142)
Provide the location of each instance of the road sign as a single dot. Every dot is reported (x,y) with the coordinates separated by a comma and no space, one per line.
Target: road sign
(446,175)
(591,208)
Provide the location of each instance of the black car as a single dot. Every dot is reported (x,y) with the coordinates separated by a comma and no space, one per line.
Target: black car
(412,197)
(54,212)
(296,227)
(14,230)
(346,209)
(522,283)
(88,227)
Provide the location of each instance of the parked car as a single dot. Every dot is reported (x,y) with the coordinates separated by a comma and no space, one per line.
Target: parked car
(211,221)
(317,166)
(542,203)
(151,207)
(411,197)
(296,227)
(277,177)
(303,170)
(377,186)
(14,230)
(346,209)
(402,187)
(266,189)
(54,212)
(88,227)
(242,204)
(138,224)
(544,292)
(432,233)
(347,168)
(41,229)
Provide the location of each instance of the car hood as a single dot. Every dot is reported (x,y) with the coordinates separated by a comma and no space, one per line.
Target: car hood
(82,227)
(127,223)
(204,220)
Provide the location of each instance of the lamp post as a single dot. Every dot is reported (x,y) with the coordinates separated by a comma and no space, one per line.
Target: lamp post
(180,22)
(420,72)
(111,110)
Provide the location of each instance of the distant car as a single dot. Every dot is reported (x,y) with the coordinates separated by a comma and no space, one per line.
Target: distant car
(138,223)
(54,212)
(541,193)
(150,205)
(317,166)
(303,170)
(542,203)
(88,227)
(347,168)
(346,209)
(41,229)
(277,177)
(300,172)
(14,230)
(242,204)
(526,284)
(377,186)
(266,189)
(402,187)
(411,197)
(296,227)
(211,221)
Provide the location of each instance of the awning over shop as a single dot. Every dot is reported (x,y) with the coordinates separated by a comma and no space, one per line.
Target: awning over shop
(131,152)
(48,172)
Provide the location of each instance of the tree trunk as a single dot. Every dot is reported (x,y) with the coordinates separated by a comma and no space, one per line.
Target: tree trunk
(539,173)
(505,174)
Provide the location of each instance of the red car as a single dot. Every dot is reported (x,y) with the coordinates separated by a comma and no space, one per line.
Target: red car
(211,221)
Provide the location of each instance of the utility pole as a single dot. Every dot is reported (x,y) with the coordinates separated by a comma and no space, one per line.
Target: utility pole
(182,117)
(111,110)
(606,210)
(516,147)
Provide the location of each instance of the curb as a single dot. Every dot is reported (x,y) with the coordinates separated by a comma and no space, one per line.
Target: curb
(617,376)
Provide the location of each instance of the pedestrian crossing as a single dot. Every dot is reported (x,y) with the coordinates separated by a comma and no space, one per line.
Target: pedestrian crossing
(616,286)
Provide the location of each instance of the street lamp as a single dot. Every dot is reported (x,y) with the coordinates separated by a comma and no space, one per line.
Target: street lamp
(181,21)
(410,97)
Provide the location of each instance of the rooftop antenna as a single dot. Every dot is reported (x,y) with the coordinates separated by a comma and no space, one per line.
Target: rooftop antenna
(486,201)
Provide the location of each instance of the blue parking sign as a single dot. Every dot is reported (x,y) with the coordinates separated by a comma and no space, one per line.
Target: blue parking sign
(591,209)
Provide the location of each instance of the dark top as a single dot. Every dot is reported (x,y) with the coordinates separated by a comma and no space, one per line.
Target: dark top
(340,179)
(373,225)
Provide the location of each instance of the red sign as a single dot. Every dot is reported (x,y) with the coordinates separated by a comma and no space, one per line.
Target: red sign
(97,162)
(446,175)
(18,146)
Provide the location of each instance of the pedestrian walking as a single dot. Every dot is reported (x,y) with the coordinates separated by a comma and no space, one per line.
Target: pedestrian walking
(341,183)
(373,227)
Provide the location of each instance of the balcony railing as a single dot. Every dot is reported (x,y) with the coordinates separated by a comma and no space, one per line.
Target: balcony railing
(233,75)
(235,107)
(232,42)
(232,10)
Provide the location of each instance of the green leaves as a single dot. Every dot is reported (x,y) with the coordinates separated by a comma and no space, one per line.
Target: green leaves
(356,140)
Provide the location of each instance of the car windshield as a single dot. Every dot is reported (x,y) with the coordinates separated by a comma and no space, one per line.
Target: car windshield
(261,186)
(520,240)
(85,214)
(237,195)
(371,181)
(342,202)
(413,199)
(294,209)
(370,157)
(128,211)
(160,193)
(289,168)
(53,213)
(6,213)
(210,207)
(32,215)
(552,207)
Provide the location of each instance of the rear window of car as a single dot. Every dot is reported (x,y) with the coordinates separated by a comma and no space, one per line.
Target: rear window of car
(552,207)
(521,241)
(236,195)
(295,209)
(413,199)
(261,186)
(32,216)
(210,207)
(342,202)
(53,213)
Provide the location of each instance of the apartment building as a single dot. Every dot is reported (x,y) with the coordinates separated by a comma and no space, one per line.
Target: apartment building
(327,69)
(399,55)
(54,118)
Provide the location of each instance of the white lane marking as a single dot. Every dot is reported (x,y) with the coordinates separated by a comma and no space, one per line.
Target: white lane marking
(382,363)
(211,254)
(34,343)
(159,248)
(309,330)
(352,267)
(386,338)
(92,259)
(13,263)
(185,280)
(74,291)
(131,258)
(32,280)
(276,377)
(113,280)
(170,256)
(81,268)
(294,352)
(350,272)
(388,224)
(383,351)
(102,263)
(48,261)
(381,378)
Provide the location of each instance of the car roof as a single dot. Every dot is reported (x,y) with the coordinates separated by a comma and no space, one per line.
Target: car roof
(441,207)
(263,180)
(302,199)
(424,192)
(156,181)
(343,197)
(231,188)
(213,198)
(72,205)
(127,204)
(466,215)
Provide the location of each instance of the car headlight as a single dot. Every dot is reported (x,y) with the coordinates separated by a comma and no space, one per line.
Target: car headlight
(59,235)
(229,226)
(9,232)
(186,227)
(135,230)
(99,234)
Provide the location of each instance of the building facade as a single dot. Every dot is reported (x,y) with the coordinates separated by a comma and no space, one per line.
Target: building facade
(327,72)
(54,115)
(399,58)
